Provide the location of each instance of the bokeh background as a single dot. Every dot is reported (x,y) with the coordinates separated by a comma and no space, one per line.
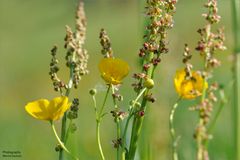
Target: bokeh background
(28,30)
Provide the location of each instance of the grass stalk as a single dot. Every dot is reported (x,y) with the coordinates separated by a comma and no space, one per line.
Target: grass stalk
(236,75)
(172,130)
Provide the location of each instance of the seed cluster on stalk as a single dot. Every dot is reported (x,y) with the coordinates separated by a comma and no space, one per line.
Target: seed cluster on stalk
(54,68)
(160,13)
(73,113)
(160,20)
(106,51)
(207,46)
(186,58)
(76,56)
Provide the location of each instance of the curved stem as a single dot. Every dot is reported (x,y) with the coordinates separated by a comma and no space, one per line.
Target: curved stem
(139,96)
(99,140)
(98,128)
(60,142)
(172,131)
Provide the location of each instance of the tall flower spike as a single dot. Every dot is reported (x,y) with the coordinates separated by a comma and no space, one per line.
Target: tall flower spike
(207,46)
(160,15)
(77,57)
(44,109)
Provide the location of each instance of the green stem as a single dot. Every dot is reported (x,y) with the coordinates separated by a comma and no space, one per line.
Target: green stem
(236,75)
(136,129)
(128,120)
(60,142)
(236,109)
(95,105)
(99,116)
(117,123)
(131,114)
(236,24)
(64,119)
(138,120)
(172,131)
(98,129)
(124,135)
(99,140)
(68,131)
(118,137)
(104,102)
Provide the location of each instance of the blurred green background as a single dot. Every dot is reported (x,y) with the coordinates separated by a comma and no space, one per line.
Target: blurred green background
(28,30)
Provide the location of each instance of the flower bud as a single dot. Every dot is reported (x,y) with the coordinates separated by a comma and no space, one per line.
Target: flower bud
(93,92)
(149,83)
(58,148)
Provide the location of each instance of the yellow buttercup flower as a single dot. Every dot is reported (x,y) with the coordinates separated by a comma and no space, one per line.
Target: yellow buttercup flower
(189,88)
(113,70)
(48,110)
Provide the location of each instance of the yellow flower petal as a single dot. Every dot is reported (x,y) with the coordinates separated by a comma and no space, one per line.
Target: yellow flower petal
(113,70)
(58,106)
(189,88)
(44,110)
(38,109)
(179,78)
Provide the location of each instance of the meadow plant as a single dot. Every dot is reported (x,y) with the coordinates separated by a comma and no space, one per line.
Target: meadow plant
(60,107)
(113,70)
(190,84)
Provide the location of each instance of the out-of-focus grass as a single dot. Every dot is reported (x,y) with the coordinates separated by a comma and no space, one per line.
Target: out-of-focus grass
(29,29)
